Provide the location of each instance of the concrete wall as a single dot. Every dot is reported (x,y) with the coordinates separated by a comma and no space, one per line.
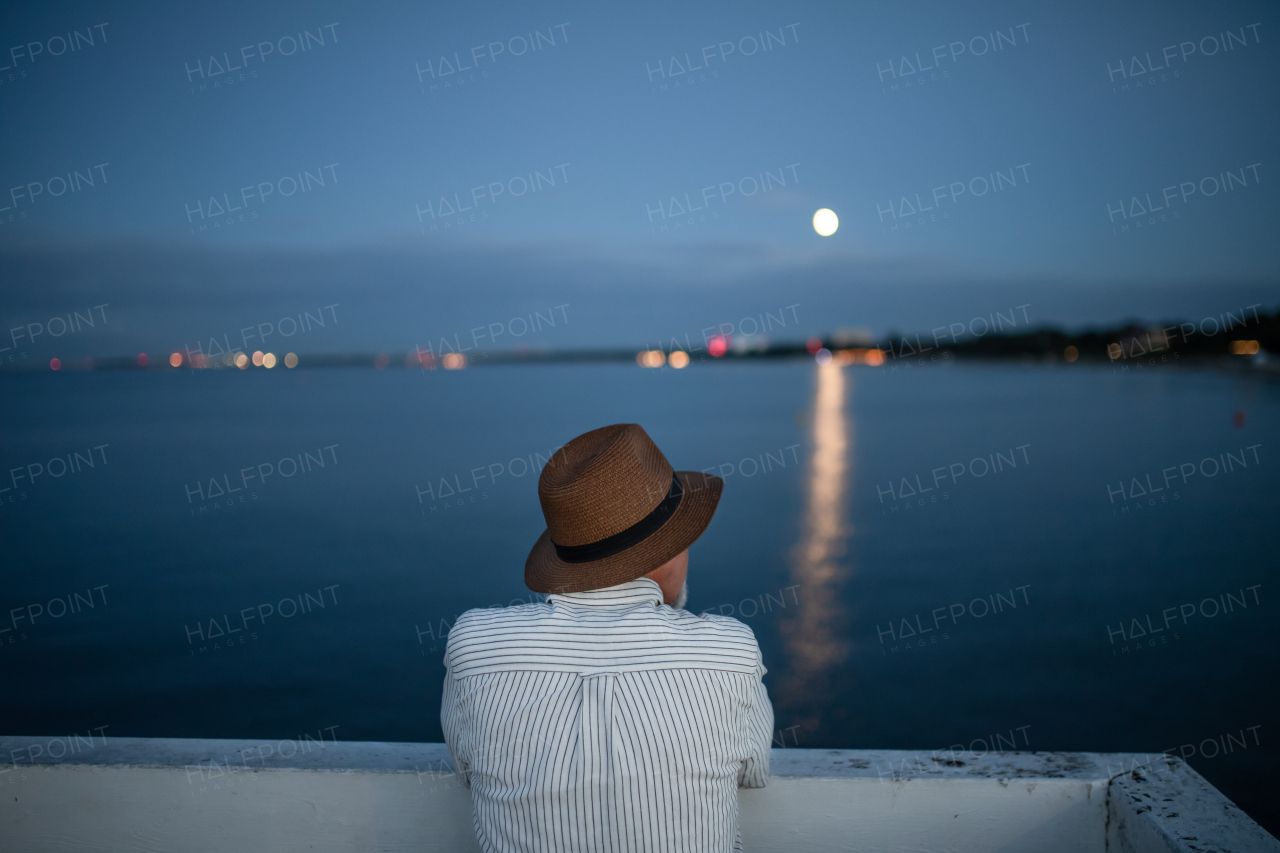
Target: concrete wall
(153,794)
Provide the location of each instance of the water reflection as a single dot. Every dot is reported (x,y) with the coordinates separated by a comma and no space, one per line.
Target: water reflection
(814,636)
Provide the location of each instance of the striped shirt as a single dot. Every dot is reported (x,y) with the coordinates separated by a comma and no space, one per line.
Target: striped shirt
(605,721)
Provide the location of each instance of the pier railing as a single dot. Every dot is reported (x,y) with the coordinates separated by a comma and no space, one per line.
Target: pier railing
(59,793)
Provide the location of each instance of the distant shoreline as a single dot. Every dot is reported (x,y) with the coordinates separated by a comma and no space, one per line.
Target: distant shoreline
(1252,343)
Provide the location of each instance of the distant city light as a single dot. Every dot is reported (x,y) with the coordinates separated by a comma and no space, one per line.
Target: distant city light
(290,360)
(825,222)
(257,358)
(679,359)
(718,345)
(56,364)
(142,359)
(650,358)
(871,357)
(822,356)
(175,360)
(269,360)
(1071,353)
(242,361)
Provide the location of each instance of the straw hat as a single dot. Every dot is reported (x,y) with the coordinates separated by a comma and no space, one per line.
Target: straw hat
(615,511)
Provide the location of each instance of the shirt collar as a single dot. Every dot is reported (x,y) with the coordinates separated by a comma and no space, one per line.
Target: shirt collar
(629,594)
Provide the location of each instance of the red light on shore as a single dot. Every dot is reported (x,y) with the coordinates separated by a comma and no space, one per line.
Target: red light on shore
(55,363)
(718,345)
(813,345)
(142,359)
(1238,418)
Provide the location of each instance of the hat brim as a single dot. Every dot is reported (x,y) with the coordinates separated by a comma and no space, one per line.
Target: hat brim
(544,571)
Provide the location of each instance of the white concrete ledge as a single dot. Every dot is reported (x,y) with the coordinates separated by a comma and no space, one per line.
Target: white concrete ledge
(149,794)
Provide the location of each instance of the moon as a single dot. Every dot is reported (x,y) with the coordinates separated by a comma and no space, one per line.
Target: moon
(825,222)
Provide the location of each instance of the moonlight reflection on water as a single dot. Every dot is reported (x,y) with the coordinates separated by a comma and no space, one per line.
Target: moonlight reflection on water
(814,637)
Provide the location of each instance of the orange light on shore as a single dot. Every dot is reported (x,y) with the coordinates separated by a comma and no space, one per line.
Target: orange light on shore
(143,360)
(55,364)
(1244,347)
(269,360)
(859,355)
(679,359)
(650,358)
(454,361)
(1114,351)
(1071,353)
(242,361)
(257,358)
(291,361)
(175,360)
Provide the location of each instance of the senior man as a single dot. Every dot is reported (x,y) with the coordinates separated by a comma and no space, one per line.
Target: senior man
(608,718)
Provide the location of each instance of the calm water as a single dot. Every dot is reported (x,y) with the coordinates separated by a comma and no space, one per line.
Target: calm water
(1029,558)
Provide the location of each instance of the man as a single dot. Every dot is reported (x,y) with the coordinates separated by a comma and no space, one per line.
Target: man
(608,718)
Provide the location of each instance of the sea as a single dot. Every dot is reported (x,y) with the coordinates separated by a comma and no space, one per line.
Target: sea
(945,558)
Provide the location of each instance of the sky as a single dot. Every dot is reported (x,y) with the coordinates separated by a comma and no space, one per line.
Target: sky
(431,169)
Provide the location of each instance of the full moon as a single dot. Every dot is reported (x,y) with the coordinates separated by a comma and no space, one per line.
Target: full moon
(825,222)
